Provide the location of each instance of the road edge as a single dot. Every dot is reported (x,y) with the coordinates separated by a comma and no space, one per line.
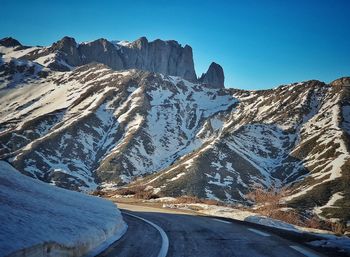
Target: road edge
(165,240)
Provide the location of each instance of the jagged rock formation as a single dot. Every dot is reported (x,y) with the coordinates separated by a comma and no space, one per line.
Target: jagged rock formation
(166,57)
(9,42)
(94,126)
(214,77)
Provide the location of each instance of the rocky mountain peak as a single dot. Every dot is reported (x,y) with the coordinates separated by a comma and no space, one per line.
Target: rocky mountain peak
(9,42)
(67,52)
(140,43)
(344,81)
(100,43)
(65,43)
(167,57)
(214,77)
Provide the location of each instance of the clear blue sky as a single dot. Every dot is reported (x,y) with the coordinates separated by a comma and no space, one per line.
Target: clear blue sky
(260,44)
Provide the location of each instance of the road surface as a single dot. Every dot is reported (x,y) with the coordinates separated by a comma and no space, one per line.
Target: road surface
(190,235)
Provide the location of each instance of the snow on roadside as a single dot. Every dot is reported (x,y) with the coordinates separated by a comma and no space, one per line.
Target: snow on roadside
(212,210)
(162,199)
(238,214)
(327,239)
(41,217)
(332,241)
(271,223)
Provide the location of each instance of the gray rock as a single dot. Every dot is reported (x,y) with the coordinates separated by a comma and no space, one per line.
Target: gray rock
(67,47)
(101,51)
(9,42)
(166,57)
(214,77)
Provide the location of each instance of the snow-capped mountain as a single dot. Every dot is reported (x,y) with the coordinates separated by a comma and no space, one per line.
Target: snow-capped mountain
(97,124)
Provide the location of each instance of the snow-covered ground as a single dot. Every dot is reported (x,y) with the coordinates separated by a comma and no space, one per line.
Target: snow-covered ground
(327,239)
(43,218)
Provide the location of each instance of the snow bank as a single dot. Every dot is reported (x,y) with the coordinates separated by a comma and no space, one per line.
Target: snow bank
(327,239)
(213,210)
(331,241)
(271,223)
(238,214)
(243,215)
(161,200)
(39,219)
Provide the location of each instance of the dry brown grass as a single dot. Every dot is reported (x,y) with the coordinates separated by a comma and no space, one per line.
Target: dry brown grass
(125,191)
(267,200)
(269,203)
(193,199)
(138,192)
(338,228)
(289,216)
(314,222)
(130,190)
(293,217)
(187,199)
(213,202)
(145,195)
(99,193)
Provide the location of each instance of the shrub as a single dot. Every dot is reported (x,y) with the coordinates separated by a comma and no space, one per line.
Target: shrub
(289,216)
(125,191)
(314,222)
(195,199)
(213,202)
(267,200)
(98,193)
(139,192)
(338,228)
(146,195)
(130,190)
(269,203)
(187,199)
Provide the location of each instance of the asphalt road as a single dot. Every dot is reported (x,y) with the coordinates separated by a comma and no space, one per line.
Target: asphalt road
(190,235)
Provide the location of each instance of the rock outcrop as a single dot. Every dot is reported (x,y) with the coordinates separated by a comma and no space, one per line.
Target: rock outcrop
(165,57)
(101,51)
(67,49)
(9,42)
(214,77)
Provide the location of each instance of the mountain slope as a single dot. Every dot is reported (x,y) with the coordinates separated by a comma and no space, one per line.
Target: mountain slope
(293,135)
(95,126)
(106,115)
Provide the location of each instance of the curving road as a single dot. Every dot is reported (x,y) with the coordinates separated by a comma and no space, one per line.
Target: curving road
(195,236)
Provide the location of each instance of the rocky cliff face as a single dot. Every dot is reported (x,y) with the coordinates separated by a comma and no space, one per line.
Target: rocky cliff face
(9,42)
(165,57)
(214,77)
(94,126)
